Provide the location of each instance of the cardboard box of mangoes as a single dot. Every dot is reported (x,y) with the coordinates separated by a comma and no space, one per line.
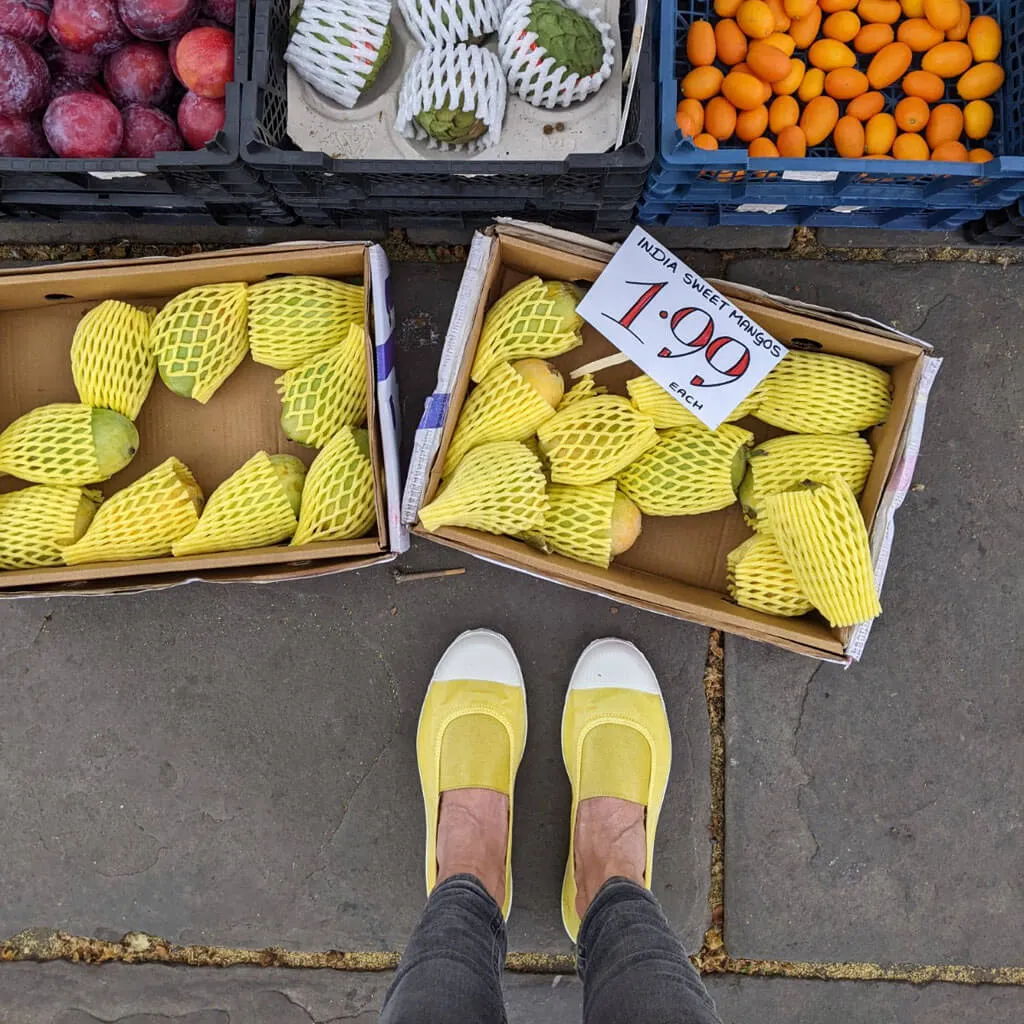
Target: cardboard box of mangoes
(544,449)
(221,416)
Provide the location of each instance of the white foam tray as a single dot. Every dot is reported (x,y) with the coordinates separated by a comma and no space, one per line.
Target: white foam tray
(367,131)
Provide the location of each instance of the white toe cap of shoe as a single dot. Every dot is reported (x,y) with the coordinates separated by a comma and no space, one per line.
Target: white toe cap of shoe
(614,662)
(480,654)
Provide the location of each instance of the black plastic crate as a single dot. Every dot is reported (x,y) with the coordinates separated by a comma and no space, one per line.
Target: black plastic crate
(214,173)
(64,207)
(443,186)
(610,224)
(998,227)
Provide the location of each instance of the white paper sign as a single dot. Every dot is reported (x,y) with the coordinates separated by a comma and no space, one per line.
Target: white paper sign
(678,329)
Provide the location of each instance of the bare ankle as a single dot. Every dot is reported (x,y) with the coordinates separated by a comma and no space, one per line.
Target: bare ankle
(610,842)
(472,838)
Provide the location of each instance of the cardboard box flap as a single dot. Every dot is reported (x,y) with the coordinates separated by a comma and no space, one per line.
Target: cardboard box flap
(119,264)
(555,238)
(809,309)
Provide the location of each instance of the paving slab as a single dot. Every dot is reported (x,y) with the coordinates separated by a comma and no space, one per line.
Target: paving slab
(235,764)
(725,237)
(872,814)
(875,238)
(748,1000)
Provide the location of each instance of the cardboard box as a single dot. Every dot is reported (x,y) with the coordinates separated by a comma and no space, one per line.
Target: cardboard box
(677,567)
(39,309)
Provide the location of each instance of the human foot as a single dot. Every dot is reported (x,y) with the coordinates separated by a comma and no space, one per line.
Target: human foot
(611,842)
(472,838)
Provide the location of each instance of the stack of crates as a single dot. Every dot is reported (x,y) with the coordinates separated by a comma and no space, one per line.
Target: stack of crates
(593,193)
(210,186)
(691,187)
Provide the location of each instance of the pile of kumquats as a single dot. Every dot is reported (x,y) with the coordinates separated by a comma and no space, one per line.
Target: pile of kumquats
(785,76)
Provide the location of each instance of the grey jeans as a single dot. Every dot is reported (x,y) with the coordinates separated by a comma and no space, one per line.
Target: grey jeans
(633,968)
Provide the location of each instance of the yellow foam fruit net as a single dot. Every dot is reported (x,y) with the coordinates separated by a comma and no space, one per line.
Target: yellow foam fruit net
(529,321)
(650,398)
(199,338)
(498,487)
(578,522)
(57,444)
(817,393)
(783,462)
(692,470)
(585,387)
(760,578)
(293,319)
(112,359)
(326,393)
(36,522)
(502,407)
(821,533)
(594,438)
(337,500)
(144,519)
(248,510)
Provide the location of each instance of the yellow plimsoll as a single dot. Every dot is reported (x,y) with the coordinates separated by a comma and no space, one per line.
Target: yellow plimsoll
(759,578)
(650,398)
(690,471)
(471,733)
(112,359)
(592,439)
(783,462)
(36,522)
(591,524)
(200,337)
(498,488)
(67,443)
(821,533)
(328,392)
(504,406)
(585,387)
(536,319)
(293,319)
(817,393)
(337,500)
(615,743)
(144,519)
(257,505)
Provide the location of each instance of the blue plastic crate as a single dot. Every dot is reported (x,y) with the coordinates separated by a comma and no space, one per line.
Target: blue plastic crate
(685,175)
(768,215)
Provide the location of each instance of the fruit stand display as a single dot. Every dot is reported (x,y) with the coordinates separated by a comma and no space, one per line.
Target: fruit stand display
(430,103)
(905,113)
(113,109)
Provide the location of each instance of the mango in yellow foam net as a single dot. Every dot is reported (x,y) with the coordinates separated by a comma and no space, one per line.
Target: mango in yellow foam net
(821,533)
(112,358)
(691,470)
(817,393)
(497,487)
(38,521)
(68,443)
(585,387)
(337,500)
(535,319)
(593,523)
(200,337)
(593,438)
(293,319)
(509,404)
(326,393)
(650,398)
(783,462)
(257,505)
(759,578)
(144,519)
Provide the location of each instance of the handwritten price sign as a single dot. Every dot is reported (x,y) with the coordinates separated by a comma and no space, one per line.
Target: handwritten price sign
(679,330)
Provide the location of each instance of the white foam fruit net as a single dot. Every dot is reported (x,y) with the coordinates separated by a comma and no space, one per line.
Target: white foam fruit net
(461,77)
(535,75)
(336,44)
(443,22)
